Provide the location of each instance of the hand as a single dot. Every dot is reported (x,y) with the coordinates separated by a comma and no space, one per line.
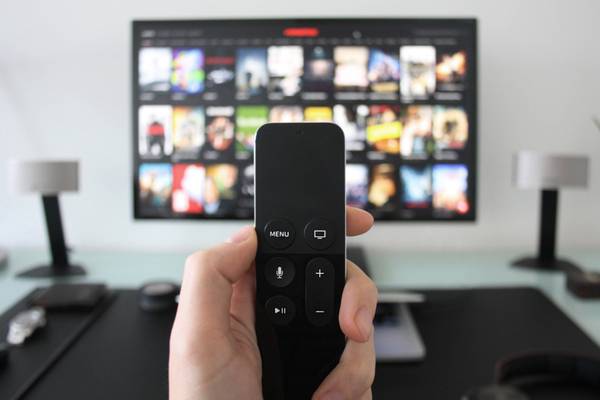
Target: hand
(214,353)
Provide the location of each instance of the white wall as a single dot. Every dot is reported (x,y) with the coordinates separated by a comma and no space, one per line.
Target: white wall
(64,92)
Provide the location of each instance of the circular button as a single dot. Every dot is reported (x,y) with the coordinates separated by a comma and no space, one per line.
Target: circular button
(279,233)
(279,271)
(319,234)
(281,310)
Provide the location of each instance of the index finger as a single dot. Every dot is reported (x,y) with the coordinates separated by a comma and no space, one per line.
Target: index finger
(357,221)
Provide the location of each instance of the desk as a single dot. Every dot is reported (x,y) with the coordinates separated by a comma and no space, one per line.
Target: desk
(469,319)
(390,269)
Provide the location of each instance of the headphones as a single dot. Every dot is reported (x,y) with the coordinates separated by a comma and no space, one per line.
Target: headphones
(529,376)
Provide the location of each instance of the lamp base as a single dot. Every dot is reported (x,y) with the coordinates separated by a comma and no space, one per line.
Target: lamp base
(551,265)
(52,271)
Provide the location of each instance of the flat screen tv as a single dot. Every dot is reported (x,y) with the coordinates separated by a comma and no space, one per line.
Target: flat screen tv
(404,91)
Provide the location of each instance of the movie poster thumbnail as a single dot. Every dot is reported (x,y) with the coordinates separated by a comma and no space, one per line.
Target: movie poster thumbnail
(450,189)
(318,114)
(382,189)
(384,71)
(416,186)
(286,114)
(155,185)
(285,65)
(450,128)
(353,122)
(247,120)
(451,70)
(154,69)
(188,131)
(351,68)
(187,75)
(220,132)
(219,189)
(220,74)
(384,128)
(155,131)
(417,72)
(357,185)
(318,72)
(251,75)
(188,188)
(416,141)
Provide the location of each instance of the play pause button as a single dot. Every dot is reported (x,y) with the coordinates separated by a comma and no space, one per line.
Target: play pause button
(280,309)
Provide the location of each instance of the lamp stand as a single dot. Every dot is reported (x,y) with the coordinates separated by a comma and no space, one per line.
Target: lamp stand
(60,265)
(546,259)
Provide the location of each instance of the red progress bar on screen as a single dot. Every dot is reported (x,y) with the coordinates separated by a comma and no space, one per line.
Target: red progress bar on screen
(301,32)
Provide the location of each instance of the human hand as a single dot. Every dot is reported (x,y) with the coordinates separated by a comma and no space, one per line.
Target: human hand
(213,350)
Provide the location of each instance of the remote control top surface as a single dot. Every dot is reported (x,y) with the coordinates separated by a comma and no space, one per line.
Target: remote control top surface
(300,220)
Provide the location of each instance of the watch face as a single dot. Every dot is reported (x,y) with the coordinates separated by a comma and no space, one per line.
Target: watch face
(495,392)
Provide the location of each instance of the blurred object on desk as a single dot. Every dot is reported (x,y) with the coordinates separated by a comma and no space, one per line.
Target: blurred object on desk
(48,178)
(548,173)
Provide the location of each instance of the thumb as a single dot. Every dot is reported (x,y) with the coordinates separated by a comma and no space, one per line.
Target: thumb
(208,279)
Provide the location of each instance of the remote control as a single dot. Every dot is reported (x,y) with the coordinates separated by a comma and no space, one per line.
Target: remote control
(300,220)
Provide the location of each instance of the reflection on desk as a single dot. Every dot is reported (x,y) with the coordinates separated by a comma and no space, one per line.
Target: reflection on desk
(389,269)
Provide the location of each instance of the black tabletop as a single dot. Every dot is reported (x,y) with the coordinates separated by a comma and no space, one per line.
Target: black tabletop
(123,354)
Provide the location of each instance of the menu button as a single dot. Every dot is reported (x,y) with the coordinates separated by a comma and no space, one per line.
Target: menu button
(279,233)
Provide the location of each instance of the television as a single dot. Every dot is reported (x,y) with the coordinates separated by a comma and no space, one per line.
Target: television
(404,91)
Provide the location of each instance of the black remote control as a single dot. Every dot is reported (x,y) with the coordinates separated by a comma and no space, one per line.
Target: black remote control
(300,219)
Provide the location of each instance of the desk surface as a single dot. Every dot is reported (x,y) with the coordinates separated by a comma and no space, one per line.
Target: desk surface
(390,269)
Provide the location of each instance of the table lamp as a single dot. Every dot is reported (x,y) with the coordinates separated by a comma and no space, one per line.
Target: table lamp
(548,173)
(48,178)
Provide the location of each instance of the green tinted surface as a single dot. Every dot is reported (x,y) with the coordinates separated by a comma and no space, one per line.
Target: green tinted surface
(390,269)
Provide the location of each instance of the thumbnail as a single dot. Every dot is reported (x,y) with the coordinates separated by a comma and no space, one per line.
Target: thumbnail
(286,114)
(451,67)
(219,127)
(155,182)
(357,185)
(318,70)
(247,120)
(220,72)
(188,131)
(382,188)
(188,188)
(450,128)
(318,114)
(351,68)
(219,189)
(155,125)
(285,64)
(384,128)
(188,71)
(450,188)
(247,186)
(251,77)
(416,186)
(417,78)
(353,121)
(417,140)
(384,71)
(154,69)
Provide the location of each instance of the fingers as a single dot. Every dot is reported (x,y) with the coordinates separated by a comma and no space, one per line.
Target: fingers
(243,298)
(359,301)
(357,221)
(208,278)
(353,376)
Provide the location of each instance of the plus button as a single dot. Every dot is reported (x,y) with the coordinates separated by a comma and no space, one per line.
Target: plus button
(319,273)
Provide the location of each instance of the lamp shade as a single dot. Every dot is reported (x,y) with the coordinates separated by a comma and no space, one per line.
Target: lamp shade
(534,170)
(45,177)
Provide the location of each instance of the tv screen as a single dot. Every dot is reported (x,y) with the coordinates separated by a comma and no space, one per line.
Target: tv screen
(402,90)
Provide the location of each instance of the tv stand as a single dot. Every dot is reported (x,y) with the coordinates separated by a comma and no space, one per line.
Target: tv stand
(396,334)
